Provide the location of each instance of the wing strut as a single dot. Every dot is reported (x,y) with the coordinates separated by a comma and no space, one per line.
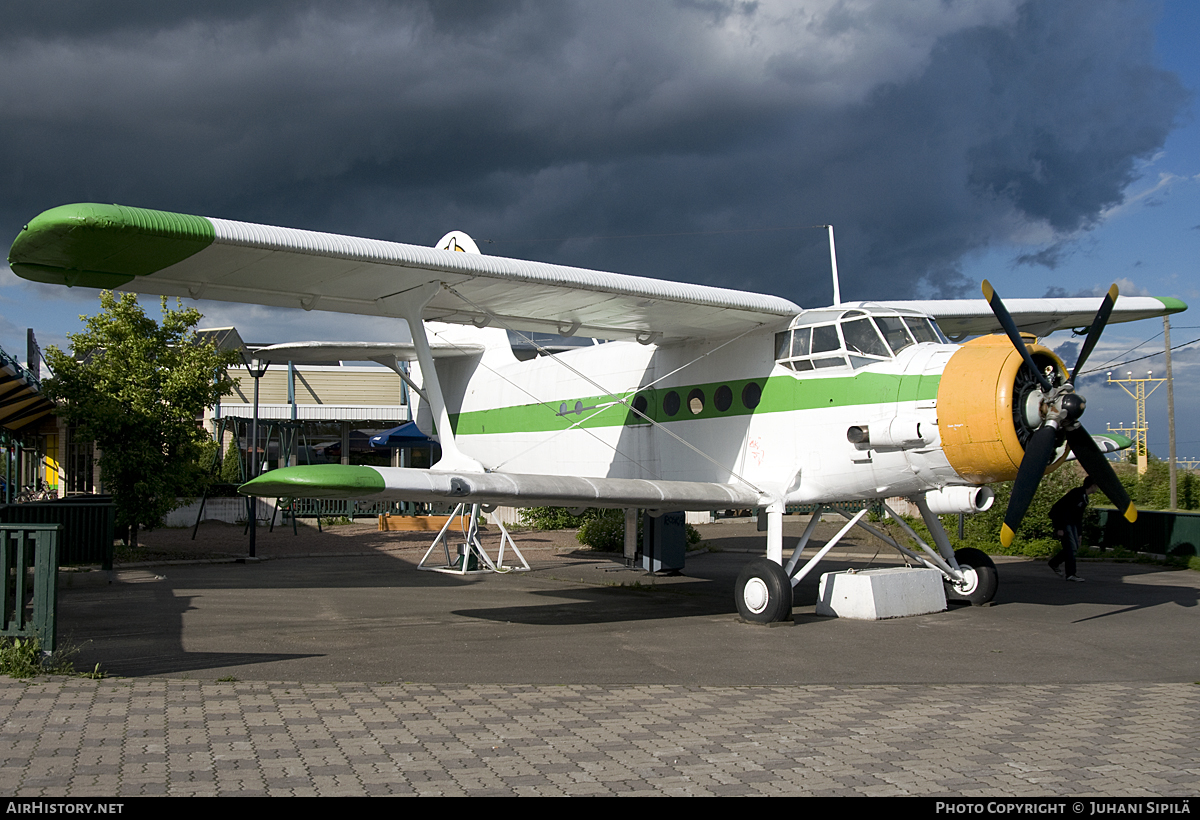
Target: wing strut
(411,304)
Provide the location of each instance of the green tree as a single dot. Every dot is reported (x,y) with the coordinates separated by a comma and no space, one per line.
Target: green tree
(136,388)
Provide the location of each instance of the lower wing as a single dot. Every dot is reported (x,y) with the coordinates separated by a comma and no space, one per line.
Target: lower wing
(510,489)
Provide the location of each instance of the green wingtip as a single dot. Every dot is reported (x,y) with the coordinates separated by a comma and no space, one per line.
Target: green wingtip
(104,246)
(1171,304)
(316,481)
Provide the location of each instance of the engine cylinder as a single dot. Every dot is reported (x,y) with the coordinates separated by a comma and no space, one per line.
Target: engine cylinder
(984,440)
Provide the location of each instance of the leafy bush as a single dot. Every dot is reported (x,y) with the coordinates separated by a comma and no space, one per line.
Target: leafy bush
(20,658)
(1034,538)
(606,532)
(231,466)
(555,518)
(23,658)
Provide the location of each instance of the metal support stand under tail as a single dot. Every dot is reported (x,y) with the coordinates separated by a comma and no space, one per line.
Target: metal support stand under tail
(472,559)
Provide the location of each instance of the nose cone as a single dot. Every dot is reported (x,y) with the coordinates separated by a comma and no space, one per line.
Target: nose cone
(1073,406)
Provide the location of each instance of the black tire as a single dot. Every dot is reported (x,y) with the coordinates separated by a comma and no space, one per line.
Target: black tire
(763,592)
(983,580)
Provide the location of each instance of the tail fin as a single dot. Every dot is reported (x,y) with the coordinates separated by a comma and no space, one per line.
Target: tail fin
(458,241)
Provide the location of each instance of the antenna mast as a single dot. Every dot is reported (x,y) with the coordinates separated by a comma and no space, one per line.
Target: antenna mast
(837,288)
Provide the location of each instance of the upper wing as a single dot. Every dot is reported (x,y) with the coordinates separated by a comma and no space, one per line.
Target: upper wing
(973,317)
(111,246)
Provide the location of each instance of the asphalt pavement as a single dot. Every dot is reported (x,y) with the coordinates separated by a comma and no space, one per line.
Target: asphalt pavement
(350,672)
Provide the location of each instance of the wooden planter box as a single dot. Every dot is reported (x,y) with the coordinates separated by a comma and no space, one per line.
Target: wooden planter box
(412,523)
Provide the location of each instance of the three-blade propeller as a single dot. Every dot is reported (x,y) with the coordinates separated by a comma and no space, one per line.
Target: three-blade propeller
(1059,409)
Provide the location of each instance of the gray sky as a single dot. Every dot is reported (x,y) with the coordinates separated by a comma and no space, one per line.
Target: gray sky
(931,133)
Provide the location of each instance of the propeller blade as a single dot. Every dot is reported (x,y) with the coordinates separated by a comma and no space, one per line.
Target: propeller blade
(1038,453)
(1014,336)
(1106,309)
(1097,466)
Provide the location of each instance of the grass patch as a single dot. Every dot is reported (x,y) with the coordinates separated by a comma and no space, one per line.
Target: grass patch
(23,658)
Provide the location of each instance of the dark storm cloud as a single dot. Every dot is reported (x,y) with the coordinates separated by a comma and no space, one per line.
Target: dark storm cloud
(1049,257)
(1126,287)
(923,132)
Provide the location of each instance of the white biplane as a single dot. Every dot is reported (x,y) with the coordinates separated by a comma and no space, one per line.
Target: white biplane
(700,397)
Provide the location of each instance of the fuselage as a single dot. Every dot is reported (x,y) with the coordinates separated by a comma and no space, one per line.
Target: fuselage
(824,408)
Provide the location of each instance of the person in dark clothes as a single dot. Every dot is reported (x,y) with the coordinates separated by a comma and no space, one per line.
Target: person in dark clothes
(1067,517)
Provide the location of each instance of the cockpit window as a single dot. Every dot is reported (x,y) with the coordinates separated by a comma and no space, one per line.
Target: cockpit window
(922,329)
(825,339)
(800,341)
(862,339)
(783,345)
(894,332)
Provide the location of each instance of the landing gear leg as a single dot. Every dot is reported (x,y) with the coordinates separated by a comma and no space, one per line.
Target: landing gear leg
(977,579)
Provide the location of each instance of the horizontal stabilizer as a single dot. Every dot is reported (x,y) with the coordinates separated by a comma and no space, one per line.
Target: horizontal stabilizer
(1109,442)
(509,489)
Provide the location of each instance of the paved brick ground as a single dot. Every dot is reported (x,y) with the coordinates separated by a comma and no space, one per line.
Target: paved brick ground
(83,738)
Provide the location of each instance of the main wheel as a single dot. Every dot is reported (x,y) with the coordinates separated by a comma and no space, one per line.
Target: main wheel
(763,592)
(980,578)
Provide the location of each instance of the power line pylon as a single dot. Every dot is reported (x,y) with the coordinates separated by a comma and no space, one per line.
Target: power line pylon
(1139,394)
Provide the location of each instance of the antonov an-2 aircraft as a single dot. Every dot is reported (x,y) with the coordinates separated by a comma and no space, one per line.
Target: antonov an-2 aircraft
(701,397)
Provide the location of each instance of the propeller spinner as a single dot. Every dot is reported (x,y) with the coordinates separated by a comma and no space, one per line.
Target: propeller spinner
(1054,408)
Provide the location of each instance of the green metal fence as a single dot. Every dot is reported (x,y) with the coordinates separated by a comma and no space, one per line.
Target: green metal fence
(29,582)
(1156,531)
(349,508)
(845,506)
(88,525)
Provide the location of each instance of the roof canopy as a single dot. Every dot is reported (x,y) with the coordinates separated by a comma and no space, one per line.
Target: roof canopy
(21,401)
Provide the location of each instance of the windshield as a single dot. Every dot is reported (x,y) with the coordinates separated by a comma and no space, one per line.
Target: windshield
(851,338)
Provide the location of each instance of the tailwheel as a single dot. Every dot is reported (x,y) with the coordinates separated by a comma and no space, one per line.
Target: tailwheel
(763,592)
(980,579)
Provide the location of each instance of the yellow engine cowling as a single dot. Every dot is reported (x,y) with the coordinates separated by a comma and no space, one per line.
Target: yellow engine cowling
(981,434)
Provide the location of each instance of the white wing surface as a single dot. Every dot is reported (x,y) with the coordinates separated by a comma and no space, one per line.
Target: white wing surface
(112,246)
(972,317)
(334,352)
(407,484)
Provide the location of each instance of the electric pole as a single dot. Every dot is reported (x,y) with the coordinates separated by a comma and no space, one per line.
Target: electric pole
(1139,394)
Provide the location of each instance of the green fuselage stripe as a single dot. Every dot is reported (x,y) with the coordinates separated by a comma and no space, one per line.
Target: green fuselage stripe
(779,394)
(105,246)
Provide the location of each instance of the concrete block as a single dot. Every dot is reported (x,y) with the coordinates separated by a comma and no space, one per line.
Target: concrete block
(874,594)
